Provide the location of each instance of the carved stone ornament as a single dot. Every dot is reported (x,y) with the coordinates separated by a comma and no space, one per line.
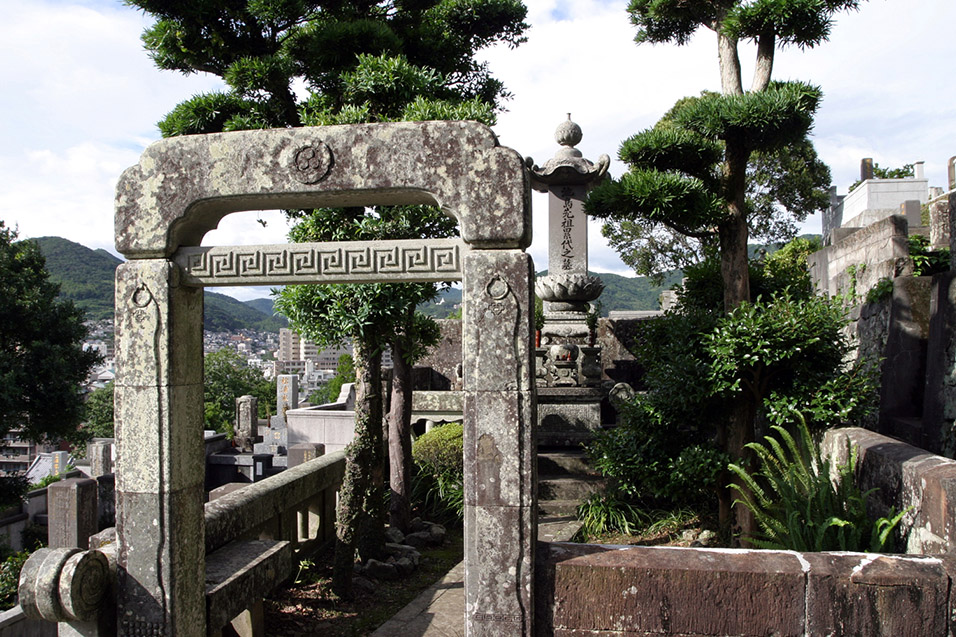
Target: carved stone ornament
(310,164)
(568,166)
(568,287)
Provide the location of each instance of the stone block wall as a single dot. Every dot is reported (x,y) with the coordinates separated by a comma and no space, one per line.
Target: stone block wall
(606,590)
(883,247)
(904,477)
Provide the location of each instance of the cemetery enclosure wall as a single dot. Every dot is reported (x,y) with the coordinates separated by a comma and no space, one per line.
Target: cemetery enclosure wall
(678,591)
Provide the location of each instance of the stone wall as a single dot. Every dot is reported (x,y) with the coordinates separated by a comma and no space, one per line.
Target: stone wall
(440,369)
(882,247)
(612,590)
(904,476)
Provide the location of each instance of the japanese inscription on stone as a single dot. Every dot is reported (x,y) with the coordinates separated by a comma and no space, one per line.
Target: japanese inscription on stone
(567,245)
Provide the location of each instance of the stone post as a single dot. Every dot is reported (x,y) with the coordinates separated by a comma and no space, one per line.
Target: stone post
(305,451)
(499,451)
(72,507)
(61,463)
(247,422)
(287,397)
(951,172)
(866,169)
(160,451)
(100,453)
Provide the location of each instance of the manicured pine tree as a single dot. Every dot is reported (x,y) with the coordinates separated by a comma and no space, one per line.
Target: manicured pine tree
(692,175)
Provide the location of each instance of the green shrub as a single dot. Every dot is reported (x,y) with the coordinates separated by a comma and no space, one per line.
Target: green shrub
(606,513)
(927,262)
(799,507)
(10,578)
(438,484)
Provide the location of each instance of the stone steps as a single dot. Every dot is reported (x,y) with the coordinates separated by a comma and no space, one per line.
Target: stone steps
(569,487)
(564,463)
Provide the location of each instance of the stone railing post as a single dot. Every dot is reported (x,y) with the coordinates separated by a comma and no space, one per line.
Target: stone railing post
(73,514)
(100,453)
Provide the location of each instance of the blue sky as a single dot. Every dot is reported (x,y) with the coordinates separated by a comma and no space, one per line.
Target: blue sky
(81,100)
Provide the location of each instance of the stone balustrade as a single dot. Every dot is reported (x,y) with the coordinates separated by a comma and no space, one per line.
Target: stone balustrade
(251,536)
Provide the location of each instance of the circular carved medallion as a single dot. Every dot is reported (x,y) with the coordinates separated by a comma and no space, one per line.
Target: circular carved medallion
(310,164)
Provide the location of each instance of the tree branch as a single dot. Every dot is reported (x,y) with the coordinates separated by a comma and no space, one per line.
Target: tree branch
(766,45)
(730,83)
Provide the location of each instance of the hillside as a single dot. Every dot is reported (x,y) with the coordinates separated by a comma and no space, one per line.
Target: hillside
(86,277)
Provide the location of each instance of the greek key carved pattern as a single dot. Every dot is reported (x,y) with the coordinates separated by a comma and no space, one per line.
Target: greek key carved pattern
(431,260)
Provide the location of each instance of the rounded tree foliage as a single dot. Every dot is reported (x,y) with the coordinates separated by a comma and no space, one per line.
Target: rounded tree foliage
(226,377)
(261,48)
(42,361)
(99,412)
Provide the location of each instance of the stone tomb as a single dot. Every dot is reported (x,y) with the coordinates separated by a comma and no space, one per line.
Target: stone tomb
(181,188)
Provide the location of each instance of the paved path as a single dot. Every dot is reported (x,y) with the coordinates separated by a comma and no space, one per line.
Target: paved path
(440,610)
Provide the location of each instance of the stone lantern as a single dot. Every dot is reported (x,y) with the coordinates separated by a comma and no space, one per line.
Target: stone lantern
(567,364)
(567,357)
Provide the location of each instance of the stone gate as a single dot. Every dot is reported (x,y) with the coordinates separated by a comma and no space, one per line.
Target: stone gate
(180,189)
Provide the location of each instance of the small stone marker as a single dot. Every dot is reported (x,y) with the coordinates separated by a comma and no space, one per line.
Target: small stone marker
(247,421)
(73,514)
(866,168)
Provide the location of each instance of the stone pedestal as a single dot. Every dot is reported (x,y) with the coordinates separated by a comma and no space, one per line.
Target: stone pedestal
(568,416)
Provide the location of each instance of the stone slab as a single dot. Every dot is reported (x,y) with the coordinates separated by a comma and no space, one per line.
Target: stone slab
(239,574)
(651,590)
(456,165)
(866,594)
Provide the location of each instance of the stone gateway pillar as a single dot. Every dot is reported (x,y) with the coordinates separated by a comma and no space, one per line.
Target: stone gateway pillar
(499,416)
(161,460)
(181,188)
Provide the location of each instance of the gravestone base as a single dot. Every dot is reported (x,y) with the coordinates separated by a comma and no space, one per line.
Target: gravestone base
(568,416)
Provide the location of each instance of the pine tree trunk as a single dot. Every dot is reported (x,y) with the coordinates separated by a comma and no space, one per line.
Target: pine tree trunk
(735,275)
(360,514)
(766,44)
(730,82)
(400,441)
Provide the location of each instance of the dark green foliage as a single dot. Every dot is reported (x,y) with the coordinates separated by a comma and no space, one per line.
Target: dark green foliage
(605,513)
(763,120)
(664,213)
(85,276)
(226,376)
(886,173)
(259,48)
(804,23)
(10,578)
(799,507)
(99,412)
(785,351)
(927,262)
(656,462)
(223,313)
(42,363)
(439,478)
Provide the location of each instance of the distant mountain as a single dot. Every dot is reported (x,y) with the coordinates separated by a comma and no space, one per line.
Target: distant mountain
(86,276)
(444,305)
(633,294)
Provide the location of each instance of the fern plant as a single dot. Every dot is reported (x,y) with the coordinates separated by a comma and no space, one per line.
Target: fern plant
(796,504)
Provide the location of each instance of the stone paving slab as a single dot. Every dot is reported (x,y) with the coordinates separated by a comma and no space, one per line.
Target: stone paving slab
(440,610)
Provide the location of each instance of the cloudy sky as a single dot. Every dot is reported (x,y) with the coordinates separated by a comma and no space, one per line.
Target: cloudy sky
(80,101)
